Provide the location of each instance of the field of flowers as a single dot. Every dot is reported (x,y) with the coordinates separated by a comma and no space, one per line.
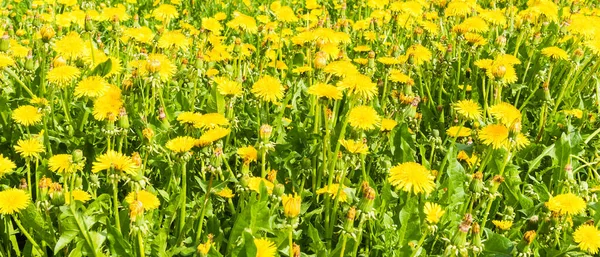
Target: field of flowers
(299,128)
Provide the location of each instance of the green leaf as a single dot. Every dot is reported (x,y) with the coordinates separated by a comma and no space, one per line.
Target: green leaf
(119,245)
(497,245)
(32,219)
(102,69)
(404,146)
(533,164)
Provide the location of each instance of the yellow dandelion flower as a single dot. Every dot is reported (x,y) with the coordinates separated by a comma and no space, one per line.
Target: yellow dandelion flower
(149,201)
(6,61)
(333,192)
(506,114)
(189,117)
(265,247)
(62,163)
(141,35)
(212,25)
(340,68)
(181,144)
(418,54)
(588,238)
(6,166)
(255,182)
(26,115)
(468,109)
(226,193)
(212,135)
(211,120)
(494,135)
(119,12)
(433,212)
(353,146)
(291,205)
(63,75)
(174,39)
(458,131)
(243,22)
(29,148)
(114,160)
(165,12)
(228,87)
(268,89)
(412,177)
(363,118)
(248,153)
(322,90)
(566,204)
(78,195)
(555,53)
(400,77)
(70,46)
(93,86)
(359,85)
(502,224)
(13,201)
(387,125)
(108,106)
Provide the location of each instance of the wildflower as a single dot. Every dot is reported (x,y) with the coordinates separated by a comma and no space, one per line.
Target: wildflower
(243,22)
(78,195)
(291,205)
(29,148)
(400,77)
(433,212)
(340,68)
(165,12)
(6,61)
(211,120)
(458,131)
(494,135)
(265,248)
(174,39)
(26,115)
(108,106)
(333,191)
(502,225)
(148,200)
(6,166)
(212,25)
(468,109)
(70,46)
(322,90)
(356,147)
(116,161)
(212,135)
(506,113)
(412,177)
(248,153)
(588,238)
(93,86)
(13,201)
(363,118)
(181,144)
(228,87)
(387,125)
(189,117)
(555,53)
(359,85)
(226,193)
(63,75)
(566,204)
(61,163)
(268,89)
(255,182)
(418,54)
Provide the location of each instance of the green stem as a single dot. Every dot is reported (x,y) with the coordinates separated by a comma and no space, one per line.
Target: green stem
(183,197)
(116,202)
(344,239)
(291,240)
(414,253)
(27,235)
(203,211)
(140,240)
(16,78)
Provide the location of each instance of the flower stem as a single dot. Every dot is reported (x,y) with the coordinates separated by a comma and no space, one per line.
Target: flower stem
(141,244)
(344,241)
(183,197)
(116,202)
(203,211)
(414,253)
(27,235)
(291,240)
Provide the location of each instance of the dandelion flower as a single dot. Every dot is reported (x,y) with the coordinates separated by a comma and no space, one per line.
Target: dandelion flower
(212,135)
(255,182)
(228,87)
(340,68)
(165,12)
(212,25)
(322,90)
(502,225)
(291,205)
(63,75)
(6,166)
(265,248)
(400,77)
(6,61)
(114,160)
(93,86)
(268,89)
(494,135)
(26,115)
(158,64)
(588,238)
(149,201)
(333,192)
(352,146)
(566,204)
(181,144)
(226,193)
(61,163)
(211,120)
(13,201)
(248,153)
(363,118)
(555,53)
(70,46)
(458,131)
(29,148)
(506,113)
(174,39)
(189,117)
(433,212)
(78,195)
(388,124)
(418,54)
(412,177)
(359,85)
(108,106)
(468,109)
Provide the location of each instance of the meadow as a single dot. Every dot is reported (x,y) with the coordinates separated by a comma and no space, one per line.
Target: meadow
(265,128)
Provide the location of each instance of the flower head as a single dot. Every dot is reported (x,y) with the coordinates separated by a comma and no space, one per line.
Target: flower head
(226,193)
(78,195)
(255,182)
(388,124)
(322,90)
(108,106)
(555,53)
(6,166)
(433,212)
(248,153)
(61,163)
(181,144)
(352,146)
(114,160)
(359,85)
(494,135)
(363,118)
(165,12)
(26,115)
(228,87)
(149,201)
(63,75)
(212,135)
(268,89)
(13,201)
(265,248)
(412,177)
(502,225)
(291,205)
(566,204)
(93,86)
(458,131)
(29,148)
(468,109)
(588,238)
(333,191)
(70,46)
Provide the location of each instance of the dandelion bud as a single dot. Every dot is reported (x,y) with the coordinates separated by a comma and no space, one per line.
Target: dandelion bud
(272,175)
(77,156)
(136,158)
(265,131)
(351,215)
(296,250)
(47,33)
(529,236)
(4,42)
(291,205)
(498,179)
(148,133)
(499,71)
(320,60)
(29,63)
(477,183)
(161,113)
(89,25)
(124,119)
(278,190)
(23,184)
(153,65)
(501,40)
